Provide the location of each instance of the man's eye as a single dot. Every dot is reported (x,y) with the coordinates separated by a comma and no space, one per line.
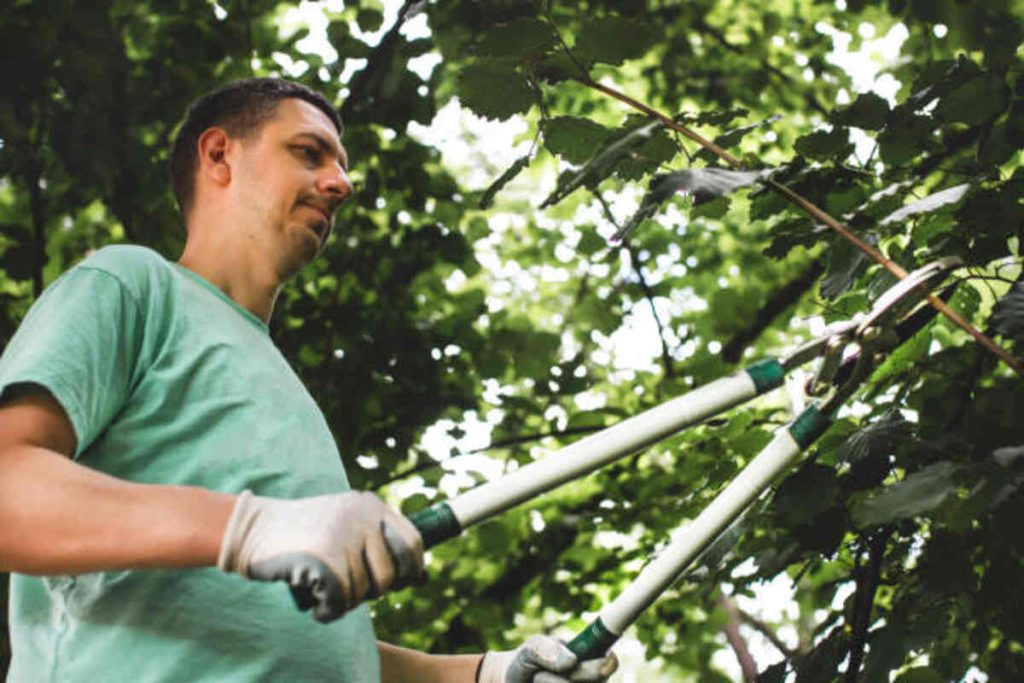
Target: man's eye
(310,154)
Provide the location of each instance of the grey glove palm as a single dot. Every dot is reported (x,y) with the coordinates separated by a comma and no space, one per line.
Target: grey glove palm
(333,551)
(543,659)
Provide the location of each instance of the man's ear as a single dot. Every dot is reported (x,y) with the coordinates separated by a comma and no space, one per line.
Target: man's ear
(213,155)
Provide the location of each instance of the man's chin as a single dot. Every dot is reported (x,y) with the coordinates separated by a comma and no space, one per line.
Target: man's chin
(321,230)
(305,245)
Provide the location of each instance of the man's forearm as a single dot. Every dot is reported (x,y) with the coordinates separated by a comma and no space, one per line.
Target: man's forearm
(59,517)
(402,665)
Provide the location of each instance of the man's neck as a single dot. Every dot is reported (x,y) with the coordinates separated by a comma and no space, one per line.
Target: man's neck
(249,281)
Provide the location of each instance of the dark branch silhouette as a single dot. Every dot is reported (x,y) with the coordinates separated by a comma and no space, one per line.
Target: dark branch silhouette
(782,300)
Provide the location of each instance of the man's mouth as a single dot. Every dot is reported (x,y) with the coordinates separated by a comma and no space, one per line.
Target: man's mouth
(322,226)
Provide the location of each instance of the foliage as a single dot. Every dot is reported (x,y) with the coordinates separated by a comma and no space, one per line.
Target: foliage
(443,301)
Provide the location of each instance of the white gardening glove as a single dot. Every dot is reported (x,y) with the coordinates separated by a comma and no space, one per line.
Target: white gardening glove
(543,659)
(333,551)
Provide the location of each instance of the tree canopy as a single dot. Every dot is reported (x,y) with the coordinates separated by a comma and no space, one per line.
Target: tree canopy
(607,263)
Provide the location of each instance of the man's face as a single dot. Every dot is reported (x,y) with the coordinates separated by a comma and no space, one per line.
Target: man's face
(291,176)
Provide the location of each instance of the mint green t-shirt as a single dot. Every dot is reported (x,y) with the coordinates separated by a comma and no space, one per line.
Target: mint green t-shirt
(167,380)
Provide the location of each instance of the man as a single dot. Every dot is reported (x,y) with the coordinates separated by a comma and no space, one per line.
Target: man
(150,430)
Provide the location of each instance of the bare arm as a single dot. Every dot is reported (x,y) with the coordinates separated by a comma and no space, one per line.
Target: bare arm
(59,517)
(401,665)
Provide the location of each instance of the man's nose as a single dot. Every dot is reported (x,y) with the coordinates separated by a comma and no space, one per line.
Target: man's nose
(335,182)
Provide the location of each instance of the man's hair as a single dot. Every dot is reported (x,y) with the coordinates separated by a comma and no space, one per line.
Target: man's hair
(240,108)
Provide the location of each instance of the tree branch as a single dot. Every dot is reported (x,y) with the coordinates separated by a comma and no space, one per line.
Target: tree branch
(38,210)
(768,632)
(666,355)
(816,212)
(775,306)
(37,205)
(736,641)
(867,579)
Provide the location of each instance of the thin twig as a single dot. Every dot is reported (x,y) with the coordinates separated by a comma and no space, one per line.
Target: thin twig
(815,212)
(37,203)
(735,639)
(768,632)
(666,353)
(780,301)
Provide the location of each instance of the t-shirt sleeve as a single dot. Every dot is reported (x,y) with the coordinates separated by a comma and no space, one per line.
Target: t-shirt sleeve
(81,342)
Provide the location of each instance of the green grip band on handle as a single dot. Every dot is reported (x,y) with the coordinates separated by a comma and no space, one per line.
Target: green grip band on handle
(436,524)
(767,374)
(593,641)
(809,425)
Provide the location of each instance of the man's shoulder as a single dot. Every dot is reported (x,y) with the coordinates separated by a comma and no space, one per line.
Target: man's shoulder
(125,259)
(137,268)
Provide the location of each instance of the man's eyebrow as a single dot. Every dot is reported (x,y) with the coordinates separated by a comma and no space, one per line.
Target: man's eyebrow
(326,147)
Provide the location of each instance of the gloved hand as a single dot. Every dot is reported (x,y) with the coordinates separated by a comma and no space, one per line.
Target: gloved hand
(333,551)
(543,659)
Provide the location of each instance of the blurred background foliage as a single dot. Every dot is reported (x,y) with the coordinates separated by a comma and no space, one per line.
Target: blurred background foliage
(446,306)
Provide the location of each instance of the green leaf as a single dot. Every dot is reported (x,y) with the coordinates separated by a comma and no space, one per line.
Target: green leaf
(824,533)
(733,137)
(790,233)
(613,40)
(823,145)
(805,493)
(867,472)
(518,39)
(995,213)
(17,261)
(868,111)
(717,117)
(937,200)
(352,48)
(598,315)
(601,165)
(659,149)
(776,673)
(876,439)
(982,98)
(369,19)
(904,138)
(918,493)
(920,674)
(590,419)
(939,79)
(821,663)
(556,67)
(414,503)
(574,139)
(487,198)
(845,266)
(1009,314)
(590,243)
(494,92)
(495,538)
(997,145)
(704,184)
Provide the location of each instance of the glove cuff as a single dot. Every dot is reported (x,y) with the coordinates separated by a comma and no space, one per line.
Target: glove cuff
(494,666)
(242,517)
